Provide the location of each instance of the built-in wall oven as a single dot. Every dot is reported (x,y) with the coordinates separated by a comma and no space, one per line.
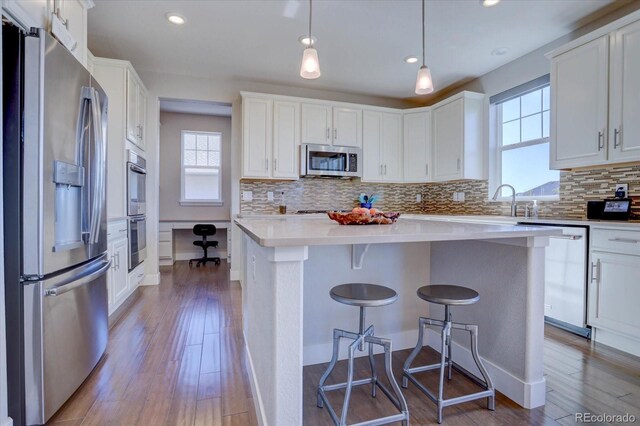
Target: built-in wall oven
(136,184)
(136,208)
(137,240)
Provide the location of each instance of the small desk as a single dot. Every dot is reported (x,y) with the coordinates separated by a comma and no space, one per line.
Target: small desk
(166,254)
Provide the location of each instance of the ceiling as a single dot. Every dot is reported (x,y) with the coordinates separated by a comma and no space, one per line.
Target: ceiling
(195,107)
(361,43)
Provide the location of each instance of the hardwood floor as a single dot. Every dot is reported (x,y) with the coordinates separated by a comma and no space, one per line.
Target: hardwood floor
(177,358)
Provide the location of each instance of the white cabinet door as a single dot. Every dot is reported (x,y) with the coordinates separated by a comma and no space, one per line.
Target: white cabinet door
(257,122)
(614,292)
(132,108)
(119,283)
(624,100)
(316,124)
(372,167)
(286,139)
(417,146)
(141,116)
(448,138)
(579,96)
(347,127)
(392,146)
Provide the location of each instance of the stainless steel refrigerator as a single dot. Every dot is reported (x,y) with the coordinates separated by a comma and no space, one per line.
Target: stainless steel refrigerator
(55,179)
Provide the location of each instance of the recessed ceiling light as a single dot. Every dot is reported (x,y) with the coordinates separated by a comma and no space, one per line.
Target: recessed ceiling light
(411,59)
(175,18)
(304,39)
(499,51)
(489,3)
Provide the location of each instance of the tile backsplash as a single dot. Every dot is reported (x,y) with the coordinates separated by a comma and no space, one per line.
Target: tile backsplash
(576,188)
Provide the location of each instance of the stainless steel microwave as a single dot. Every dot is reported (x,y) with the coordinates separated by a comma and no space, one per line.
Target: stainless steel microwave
(336,161)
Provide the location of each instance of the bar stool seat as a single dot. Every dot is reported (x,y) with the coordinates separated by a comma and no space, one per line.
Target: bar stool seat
(447,295)
(364,296)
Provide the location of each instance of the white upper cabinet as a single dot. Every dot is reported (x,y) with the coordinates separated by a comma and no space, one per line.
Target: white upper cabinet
(270,138)
(624,101)
(417,146)
(324,124)
(579,91)
(347,127)
(382,147)
(286,139)
(316,124)
(457,138)
(136,110)
(38,13)
(595,81)
(113,76)
(257,122)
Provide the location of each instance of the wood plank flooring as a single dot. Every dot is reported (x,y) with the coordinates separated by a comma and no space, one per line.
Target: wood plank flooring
(177,358)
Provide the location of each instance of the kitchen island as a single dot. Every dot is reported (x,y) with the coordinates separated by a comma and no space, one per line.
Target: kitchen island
(290,263)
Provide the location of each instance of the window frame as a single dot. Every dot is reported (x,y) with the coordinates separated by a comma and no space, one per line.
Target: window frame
(497,148)
(192,202)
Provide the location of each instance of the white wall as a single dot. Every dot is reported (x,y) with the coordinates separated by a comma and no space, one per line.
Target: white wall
(172,124)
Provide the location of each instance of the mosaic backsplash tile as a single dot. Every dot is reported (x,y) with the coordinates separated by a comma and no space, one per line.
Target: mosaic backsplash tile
(576,188)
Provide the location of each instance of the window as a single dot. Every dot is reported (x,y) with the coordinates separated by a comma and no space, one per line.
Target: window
(201,168)
(522,141)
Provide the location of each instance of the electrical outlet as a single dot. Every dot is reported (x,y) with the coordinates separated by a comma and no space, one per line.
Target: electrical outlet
(418,198)
(455,196)
(270,196)
(623,187)
(247,195)
(461,197)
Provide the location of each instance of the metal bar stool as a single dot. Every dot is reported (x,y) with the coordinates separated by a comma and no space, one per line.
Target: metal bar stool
(448,295)
(364,296)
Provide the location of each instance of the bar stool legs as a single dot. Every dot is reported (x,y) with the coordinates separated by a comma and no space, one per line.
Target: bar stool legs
(446,361)
(359,340)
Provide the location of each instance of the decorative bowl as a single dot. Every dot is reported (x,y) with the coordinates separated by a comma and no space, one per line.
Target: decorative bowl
(351,218)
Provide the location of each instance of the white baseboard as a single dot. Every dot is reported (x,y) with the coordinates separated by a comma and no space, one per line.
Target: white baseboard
(151,279)
(528,395)
(618,341)
(257,396)
(234,275)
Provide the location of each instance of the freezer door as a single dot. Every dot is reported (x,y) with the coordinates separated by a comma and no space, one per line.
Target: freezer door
(64,160)
(66,332)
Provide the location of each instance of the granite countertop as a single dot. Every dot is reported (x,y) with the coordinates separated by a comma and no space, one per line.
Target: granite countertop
(289,230)
(632,224)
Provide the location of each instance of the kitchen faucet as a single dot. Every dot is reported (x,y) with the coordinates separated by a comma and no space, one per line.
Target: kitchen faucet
(514,207)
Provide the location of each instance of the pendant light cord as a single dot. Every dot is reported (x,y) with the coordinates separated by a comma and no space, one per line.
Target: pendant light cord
(423,57)
(310,12)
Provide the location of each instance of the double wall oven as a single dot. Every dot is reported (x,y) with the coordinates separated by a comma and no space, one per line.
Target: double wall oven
(136,208)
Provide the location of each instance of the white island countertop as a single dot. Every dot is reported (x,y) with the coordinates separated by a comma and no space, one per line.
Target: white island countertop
(288,231)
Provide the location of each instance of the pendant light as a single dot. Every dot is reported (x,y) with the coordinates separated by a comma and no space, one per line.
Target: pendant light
(310,68)
(424,84)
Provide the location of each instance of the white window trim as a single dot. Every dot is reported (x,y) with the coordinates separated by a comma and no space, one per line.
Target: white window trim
(194,203)
(496,149)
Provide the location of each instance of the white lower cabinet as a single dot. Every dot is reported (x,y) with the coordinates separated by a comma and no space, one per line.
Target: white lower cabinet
(117,248)
(614,288)
(118,279)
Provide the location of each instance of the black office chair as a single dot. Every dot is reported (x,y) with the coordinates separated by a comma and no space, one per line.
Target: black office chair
(205,231)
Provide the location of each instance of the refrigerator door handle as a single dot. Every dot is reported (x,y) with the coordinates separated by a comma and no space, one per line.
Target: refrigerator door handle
(98,189)
(72,282)
(82,135)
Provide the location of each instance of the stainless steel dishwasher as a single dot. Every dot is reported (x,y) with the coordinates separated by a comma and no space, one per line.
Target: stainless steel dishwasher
(565,290)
